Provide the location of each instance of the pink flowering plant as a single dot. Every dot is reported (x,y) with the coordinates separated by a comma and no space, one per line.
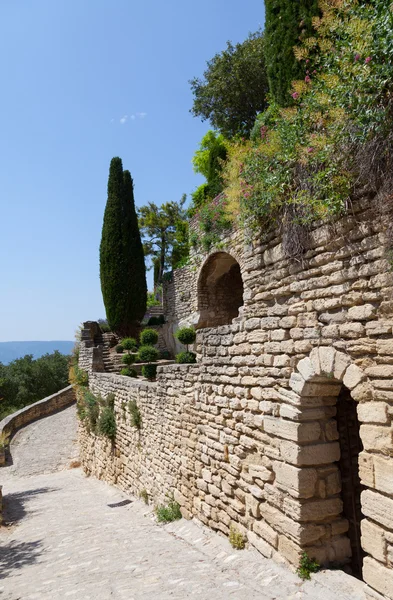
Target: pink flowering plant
(337,137)
(213,222)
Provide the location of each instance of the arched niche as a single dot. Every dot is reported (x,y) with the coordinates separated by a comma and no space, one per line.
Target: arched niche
(220,290)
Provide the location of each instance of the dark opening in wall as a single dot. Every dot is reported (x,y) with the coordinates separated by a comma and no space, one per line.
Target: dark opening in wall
(351,488)
(220,291)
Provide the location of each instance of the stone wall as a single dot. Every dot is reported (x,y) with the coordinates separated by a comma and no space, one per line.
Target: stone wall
(249,435)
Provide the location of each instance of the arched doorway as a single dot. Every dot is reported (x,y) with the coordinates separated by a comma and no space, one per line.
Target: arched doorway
(327,387)
(220,291)
(350,447)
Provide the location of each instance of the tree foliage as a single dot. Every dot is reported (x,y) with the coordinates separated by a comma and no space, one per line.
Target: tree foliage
(165,235)
(122,267)
(286,23)
(305,162)
(208,161)
(26,380)
(234,87)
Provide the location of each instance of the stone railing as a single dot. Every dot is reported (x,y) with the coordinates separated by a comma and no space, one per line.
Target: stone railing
(39,409)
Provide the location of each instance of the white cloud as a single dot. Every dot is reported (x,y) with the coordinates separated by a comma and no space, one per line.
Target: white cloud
(124,119)
(133,117)
(141,115)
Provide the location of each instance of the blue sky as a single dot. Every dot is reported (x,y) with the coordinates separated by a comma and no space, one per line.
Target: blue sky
(83,81)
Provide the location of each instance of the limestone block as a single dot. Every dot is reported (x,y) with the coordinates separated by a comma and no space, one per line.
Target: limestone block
(313,510)
(306,369)
(351,330)
(287,322)
(303,533)
(378,327)
(299,483)
(326,360)
(373,412)
(385,347)
(289,550)
(376,437)
(252,324)
(373,540)
(378,508)
(366,469)
(341,362)
(319,454)
(353,376)
(266,532)
(363,392)
(302,432)
(383,474)
(263,547)
(300,386)
(378,577)
(362,313)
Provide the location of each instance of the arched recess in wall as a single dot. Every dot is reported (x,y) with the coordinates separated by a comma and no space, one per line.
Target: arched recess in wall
(328,387)
(220,290)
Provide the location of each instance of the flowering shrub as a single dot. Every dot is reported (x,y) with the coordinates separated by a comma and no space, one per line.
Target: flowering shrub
(305,162)
(212,220)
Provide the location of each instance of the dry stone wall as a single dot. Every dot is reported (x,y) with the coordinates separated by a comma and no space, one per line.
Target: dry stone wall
(250,435)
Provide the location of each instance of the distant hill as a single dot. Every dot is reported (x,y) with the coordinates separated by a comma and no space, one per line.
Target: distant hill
(11,350)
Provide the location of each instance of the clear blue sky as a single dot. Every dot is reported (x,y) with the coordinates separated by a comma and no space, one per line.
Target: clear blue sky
(83,81)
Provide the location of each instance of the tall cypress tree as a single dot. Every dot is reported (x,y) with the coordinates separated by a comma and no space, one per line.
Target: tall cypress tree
(122,269)
(286,23)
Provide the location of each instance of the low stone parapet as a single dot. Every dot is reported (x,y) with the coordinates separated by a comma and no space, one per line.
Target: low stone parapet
(9,425)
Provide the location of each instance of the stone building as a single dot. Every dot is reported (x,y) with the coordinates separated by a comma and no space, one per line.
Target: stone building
(283,428)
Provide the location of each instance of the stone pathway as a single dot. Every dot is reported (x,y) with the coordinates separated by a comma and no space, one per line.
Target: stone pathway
(70,540)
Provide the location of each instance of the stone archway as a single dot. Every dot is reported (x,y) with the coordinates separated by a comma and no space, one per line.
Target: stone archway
(327,387)
(220,290)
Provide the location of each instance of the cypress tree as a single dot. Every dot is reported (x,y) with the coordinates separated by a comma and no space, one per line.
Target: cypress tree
(286,23)
(122,267)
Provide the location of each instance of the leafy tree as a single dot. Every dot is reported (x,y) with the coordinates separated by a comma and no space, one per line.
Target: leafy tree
(122,267)
(164,232)
(26,380)
(208,160)
(234,87)
(286,23)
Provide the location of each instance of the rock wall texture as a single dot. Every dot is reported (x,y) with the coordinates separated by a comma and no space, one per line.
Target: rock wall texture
(251,435)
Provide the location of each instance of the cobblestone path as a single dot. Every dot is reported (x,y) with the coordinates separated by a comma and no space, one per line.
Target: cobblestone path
(67,541)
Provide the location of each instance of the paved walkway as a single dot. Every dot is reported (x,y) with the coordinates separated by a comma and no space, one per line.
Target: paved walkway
(69,541)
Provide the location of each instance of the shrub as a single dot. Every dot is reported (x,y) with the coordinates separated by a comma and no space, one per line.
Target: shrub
(119,349)
(107,423)
(236,539)
(127,372)
(144,496)
(128,359)
(110,401)
(92,409)
(130,344)
(147,354)
(307,566)
(136,417)
(171,512)
(149,371)
(148,337)
(186,335)
(185,357)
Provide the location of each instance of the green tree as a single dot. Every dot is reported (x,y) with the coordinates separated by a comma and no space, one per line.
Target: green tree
(122,268)
(26,380)
(164,231)
(286,23)
(208,160)
(234,87)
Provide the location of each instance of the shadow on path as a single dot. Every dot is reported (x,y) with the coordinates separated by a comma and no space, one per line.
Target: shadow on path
(16,555)
(15,505)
